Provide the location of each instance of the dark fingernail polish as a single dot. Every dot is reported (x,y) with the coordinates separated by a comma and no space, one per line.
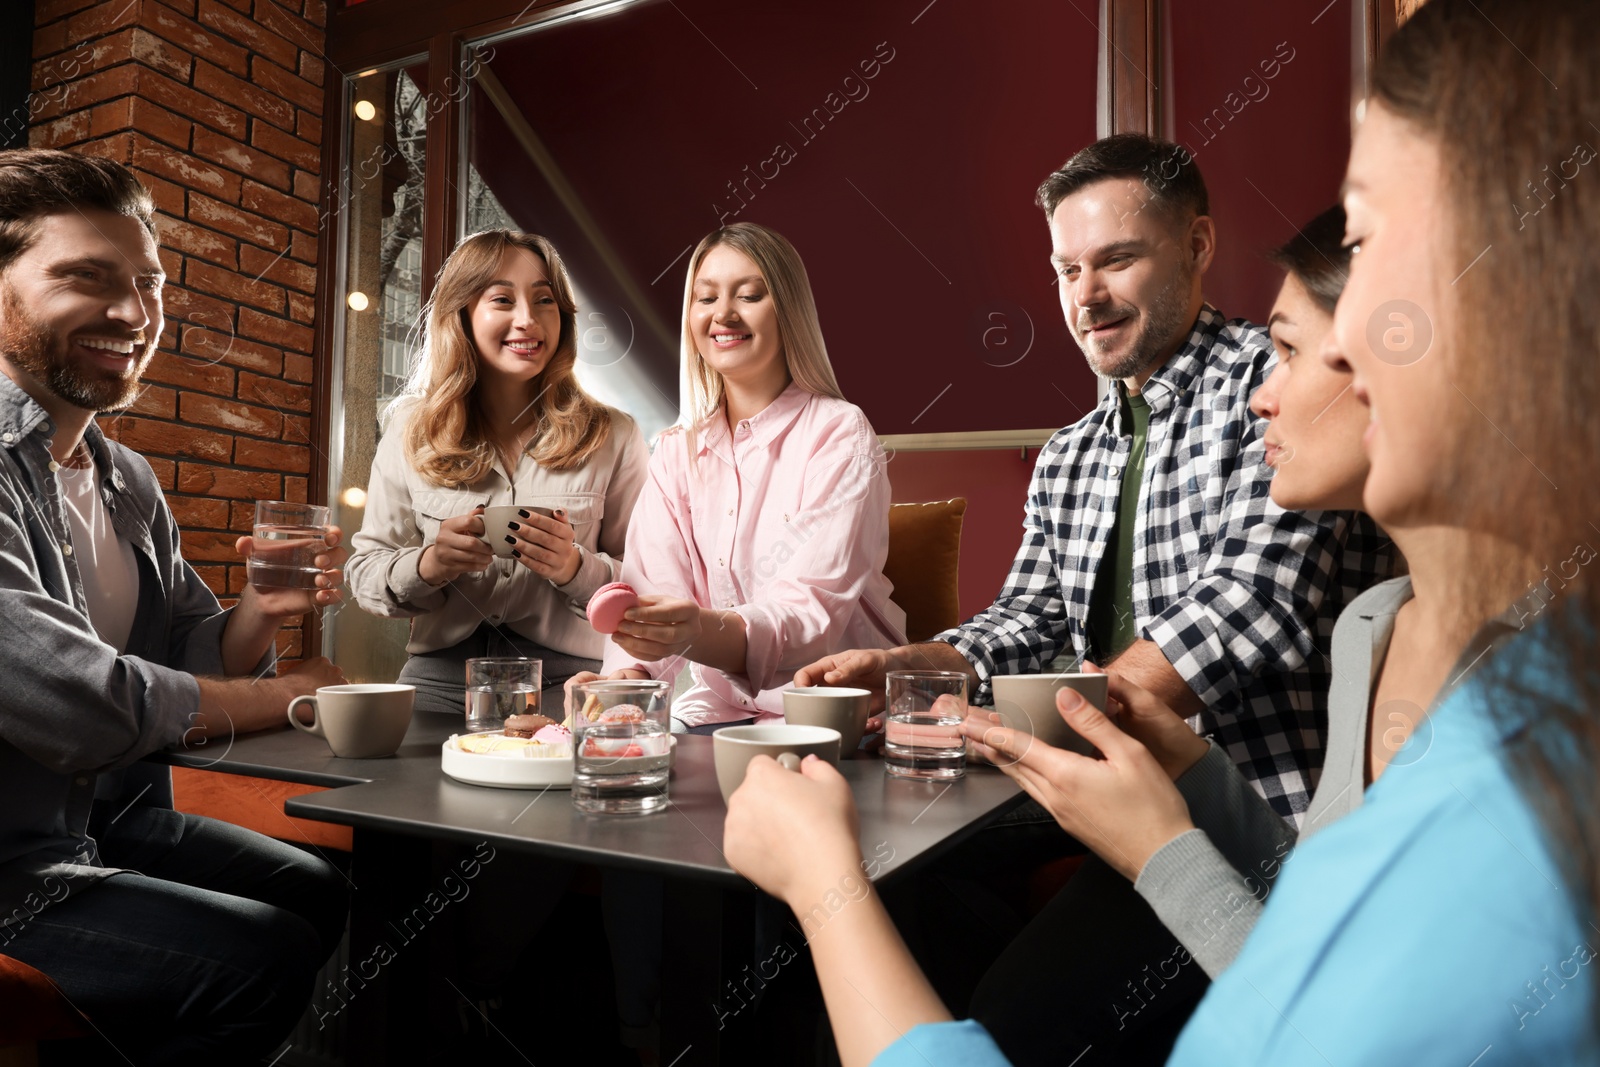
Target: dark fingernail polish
(513,525)
(510,540)
(517,554)
(524,514)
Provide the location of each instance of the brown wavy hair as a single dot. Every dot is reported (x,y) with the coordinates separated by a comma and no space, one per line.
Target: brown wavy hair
(447,438)
(1479,79)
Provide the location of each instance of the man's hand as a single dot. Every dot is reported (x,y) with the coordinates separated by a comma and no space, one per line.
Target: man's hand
(545,546)
(861,668)
(1124,806)
(253,624)
(865,668)
(312,674)
(304,679)
(456,550)
(231,706)
(274,603)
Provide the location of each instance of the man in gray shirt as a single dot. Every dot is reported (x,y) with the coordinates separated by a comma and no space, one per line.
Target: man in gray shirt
(183,939)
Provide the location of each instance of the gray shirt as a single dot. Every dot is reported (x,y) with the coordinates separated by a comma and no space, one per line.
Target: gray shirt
(1209,885)
(76,717)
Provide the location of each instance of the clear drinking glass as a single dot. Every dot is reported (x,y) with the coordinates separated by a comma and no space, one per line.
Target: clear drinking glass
(621,745)
(288,539)
(922,733)
(499,687)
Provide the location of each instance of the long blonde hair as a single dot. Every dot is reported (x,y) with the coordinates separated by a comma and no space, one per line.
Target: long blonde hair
(447,439)
(799,331)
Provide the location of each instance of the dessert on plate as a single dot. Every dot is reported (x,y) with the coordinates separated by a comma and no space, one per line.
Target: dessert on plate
(524,737)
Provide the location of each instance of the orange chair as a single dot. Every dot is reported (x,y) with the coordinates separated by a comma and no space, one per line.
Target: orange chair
(32,1009)
(924,561)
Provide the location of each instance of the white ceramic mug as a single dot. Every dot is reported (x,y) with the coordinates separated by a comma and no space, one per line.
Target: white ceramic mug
(361,721)
(497,522)
(733,747)
(1027,703)
(842,709)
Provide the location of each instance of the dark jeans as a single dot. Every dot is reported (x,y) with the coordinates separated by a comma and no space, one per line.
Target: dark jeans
(1094,975)
(207,955)
(441,676)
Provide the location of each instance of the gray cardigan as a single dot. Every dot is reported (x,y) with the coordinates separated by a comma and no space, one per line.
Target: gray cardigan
(1208,885)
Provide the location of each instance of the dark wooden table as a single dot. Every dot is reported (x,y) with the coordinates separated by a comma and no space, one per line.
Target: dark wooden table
(399,806)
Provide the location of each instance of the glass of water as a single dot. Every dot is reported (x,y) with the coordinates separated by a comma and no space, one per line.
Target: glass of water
(922,733)
(499,687)
(621,744)
(288,538)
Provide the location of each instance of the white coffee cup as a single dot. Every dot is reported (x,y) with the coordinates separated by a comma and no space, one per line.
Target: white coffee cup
(1027,703)
(361,721)
(733,747)
(497,522)
(842,709)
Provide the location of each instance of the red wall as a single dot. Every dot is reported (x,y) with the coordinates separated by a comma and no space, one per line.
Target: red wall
(912,205)
(1271,136)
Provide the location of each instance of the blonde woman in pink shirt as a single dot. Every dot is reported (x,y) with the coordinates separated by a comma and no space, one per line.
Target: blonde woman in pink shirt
(758,541)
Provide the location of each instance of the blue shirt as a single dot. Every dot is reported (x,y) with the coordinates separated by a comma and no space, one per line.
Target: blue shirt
(1431,926)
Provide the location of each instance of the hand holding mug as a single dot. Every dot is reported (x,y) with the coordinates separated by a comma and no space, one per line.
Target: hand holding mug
(544,544)
(1143,716)
(457,550)
(786,830)
(1124,807)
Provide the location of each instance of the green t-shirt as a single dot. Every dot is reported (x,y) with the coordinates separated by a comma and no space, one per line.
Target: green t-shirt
(1112,626)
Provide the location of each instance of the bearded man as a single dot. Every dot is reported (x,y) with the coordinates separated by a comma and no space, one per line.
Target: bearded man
(182,939)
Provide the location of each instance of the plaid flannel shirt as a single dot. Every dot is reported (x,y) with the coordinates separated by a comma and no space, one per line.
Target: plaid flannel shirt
(1239,595)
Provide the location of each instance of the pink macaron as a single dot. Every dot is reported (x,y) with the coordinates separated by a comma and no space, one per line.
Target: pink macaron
(608,604)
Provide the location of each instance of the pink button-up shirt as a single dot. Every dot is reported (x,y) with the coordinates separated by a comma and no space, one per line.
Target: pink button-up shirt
(785,521)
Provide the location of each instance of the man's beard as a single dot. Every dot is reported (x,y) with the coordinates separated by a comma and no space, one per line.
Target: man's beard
(1167,315)
(33,347)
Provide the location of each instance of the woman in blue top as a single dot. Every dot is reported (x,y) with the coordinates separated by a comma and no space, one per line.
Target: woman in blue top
(1433,925)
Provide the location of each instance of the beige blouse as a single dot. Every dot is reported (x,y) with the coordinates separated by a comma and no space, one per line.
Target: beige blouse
(403,514)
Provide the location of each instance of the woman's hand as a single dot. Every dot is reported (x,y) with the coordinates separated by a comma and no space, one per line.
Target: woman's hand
(794,834)
(277,603)
(544,545)
(590,676)
(457,550)
(659,628)
(1143,716)
(1124,806)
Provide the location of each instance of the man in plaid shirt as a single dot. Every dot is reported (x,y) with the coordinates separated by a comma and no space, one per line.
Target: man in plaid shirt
(1149,539)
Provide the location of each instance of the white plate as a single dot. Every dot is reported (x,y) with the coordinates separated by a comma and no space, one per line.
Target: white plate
(513,772)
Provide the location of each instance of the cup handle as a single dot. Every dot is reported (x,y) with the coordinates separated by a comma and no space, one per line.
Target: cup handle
(789,761)
(315,729)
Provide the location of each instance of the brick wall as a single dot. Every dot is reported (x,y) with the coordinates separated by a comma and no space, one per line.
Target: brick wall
(217,105)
